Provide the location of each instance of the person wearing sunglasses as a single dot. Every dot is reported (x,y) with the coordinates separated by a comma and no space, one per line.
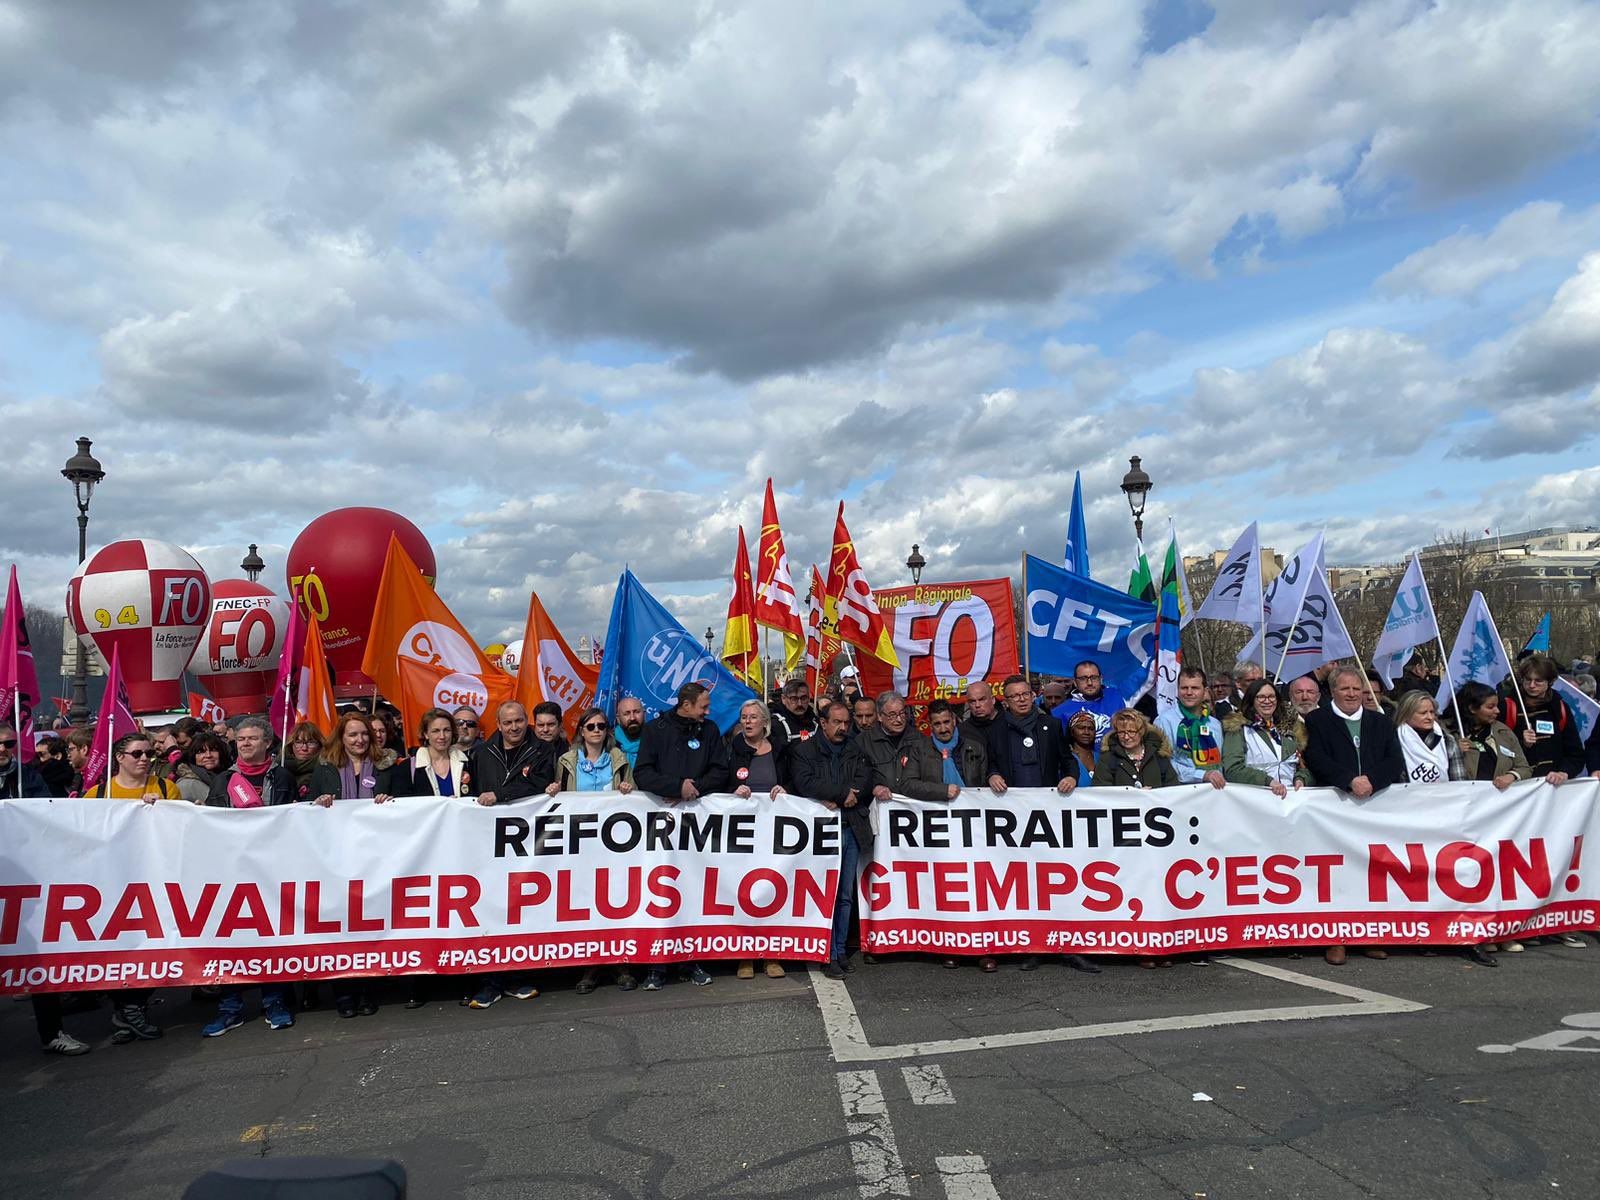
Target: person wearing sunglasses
(132,756)
(468,728)
(595,764)
(17,778)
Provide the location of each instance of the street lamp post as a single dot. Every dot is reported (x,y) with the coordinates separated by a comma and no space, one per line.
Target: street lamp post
(710,637)
(1136,486)
(252,566)
(83,470)
(915,563)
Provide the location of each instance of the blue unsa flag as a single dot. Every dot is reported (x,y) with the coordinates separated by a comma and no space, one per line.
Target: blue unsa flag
(1410,623)
(649,656)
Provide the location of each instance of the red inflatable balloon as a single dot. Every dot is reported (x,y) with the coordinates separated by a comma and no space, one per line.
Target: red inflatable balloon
(239,650)
(334,568)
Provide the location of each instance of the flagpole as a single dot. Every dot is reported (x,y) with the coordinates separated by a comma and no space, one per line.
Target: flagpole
(1277,674)
(1027,665)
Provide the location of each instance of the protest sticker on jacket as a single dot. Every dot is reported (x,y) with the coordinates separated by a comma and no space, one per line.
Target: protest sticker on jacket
(946,635)
(1194,869)
(109,893)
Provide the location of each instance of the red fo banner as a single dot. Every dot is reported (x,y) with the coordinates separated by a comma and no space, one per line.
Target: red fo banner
(1194,869)
(947,635)
(114,893)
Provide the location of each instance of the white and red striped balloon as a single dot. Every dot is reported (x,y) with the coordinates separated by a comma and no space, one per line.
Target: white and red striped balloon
(150,600)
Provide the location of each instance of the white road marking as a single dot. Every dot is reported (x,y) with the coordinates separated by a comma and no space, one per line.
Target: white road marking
(848,1039)
(965,1177)
(872,1144)
(927,1084)
(1581,1027)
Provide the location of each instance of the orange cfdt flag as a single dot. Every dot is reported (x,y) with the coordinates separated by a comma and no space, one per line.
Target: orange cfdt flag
(551,671)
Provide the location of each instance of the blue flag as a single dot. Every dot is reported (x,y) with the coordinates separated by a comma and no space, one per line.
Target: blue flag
(649,655)
(1539,643)
(1071,618)
(1077,554)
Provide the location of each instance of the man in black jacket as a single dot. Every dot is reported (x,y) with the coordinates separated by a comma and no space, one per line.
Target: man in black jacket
(681,753)
(682,757)
(17,778)
(1028,748)
(1350,747)
(793,720)
(831,769)
(903,759)
(980,714)
(509,765)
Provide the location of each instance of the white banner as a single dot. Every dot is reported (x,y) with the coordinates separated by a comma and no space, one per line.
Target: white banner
(115,893)
(1187,869)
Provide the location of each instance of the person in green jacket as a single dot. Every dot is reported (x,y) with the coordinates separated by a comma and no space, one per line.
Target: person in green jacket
(1262,741)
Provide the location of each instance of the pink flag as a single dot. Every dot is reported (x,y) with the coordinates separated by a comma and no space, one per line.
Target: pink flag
(19,682)
(116,720)
(282,706)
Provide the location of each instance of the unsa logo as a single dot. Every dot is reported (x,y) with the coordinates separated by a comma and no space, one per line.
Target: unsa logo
(671,659)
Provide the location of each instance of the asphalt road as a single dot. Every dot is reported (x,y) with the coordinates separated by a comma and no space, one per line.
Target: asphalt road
(909,1080)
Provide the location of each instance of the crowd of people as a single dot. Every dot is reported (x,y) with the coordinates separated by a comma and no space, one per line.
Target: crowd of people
(1337,727)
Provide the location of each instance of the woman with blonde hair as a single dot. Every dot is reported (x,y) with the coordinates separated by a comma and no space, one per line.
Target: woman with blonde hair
(1134,754)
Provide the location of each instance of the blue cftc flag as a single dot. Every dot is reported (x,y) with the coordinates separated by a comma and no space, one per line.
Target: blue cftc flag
(1071,618)
(650,656)
(1076,558)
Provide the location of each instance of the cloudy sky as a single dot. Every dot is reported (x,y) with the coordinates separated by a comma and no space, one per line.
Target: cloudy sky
(565,280)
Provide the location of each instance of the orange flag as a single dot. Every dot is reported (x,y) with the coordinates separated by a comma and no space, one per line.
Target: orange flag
(851,610)
(777,604)
(550,671)
(424,686)
(314,698)
(411,622)
(821,646)
(739,653)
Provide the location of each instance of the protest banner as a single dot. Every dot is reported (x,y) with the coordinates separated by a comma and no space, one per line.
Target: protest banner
(1194,869)
(946,636)
(110,893)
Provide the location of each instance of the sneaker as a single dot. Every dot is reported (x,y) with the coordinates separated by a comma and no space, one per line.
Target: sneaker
(833,969)
(65,1043)
(774,970)
(130,1023)
(654,978)
(485,997)
(223,1023)
(626,982)
(1511,947)
(278,1017)
(698,975)
(1573,940)
(520,991)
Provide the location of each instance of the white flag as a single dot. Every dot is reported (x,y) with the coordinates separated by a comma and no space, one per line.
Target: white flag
(1284,601)
(1319,635)
(1478,652)
(1585,711)
(1410,623)
(1236,594)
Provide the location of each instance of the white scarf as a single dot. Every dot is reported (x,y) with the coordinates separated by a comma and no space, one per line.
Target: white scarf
(1265,755)
(1424,764)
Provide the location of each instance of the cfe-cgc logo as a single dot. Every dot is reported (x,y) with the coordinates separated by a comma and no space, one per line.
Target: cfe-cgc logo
(669,660)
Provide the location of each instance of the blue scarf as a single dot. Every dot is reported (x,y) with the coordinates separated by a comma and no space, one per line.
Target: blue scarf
(629,746)
(947,751)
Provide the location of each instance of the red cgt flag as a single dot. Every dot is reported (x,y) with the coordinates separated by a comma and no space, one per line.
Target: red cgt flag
(851,611)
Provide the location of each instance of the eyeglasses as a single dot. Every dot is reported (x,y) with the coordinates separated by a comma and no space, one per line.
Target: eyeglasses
(893,714)
(598,726)
(137,753)
(1028,695)
(467,724)
(8,743)
(1086,678)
